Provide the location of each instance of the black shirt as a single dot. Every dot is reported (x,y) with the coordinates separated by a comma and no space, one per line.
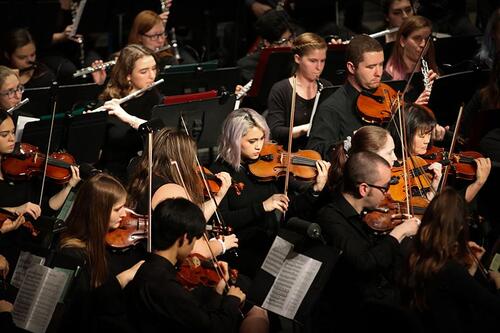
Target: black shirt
(365,269)
(335,119)
(279,106)
(157,302)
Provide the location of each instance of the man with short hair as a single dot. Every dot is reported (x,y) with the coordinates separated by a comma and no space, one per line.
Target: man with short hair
(156,301)
(365,271)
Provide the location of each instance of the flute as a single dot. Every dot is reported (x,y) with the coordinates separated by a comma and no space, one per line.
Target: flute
(18,105)
(90,69)
(129,97)
(384,32)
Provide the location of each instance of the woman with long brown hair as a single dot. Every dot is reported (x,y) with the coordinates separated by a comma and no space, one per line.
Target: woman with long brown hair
(441,267)
(99,206)
(175,175)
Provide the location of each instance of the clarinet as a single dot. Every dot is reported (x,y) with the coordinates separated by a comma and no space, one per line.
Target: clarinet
(129,97)
(90,69)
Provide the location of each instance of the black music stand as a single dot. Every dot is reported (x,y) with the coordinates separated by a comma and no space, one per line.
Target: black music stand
(199,80)
(82,136)
(450,91)
(455,49)
(480,124)
(203,118)
(315,249)
(67,97)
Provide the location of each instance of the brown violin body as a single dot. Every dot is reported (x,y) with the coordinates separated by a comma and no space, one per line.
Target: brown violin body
(214,183)
(420,179)
(29,161)
(273,160)
(377,107)
(392,213)
(133,228)
(197,270)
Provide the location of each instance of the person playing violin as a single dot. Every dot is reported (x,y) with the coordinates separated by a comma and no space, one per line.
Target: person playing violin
(135,69)
(18,196)
(309,55)
(156,301)
(252,213)
(170,146)
(364,274)
(337,116)
(97,294)
(438,279)
(420,124)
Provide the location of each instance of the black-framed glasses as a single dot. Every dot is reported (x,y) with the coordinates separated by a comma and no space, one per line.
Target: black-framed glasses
(156,36)
(383,189)
(12,92)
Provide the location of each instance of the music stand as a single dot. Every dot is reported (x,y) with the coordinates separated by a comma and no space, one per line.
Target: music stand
(188,68)
(82,136)
(455,49)
(199,80)
(39,101)
(328,257)
(450,91)
(481,123)
(335,68)
(203,118)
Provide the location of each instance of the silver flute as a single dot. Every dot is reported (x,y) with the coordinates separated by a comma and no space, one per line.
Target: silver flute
(129,97)
(18,105)
(90,69)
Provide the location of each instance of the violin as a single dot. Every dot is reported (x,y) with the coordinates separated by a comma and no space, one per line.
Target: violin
(381,218)
(273,159)
(377,107)
(132,229)
(420,181)
(27,161)
(462,164)
(5,214)
(214,183)
(197,270)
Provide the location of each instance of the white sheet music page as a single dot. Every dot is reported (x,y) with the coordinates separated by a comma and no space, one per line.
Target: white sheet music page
(291,285)
(37,298)
(26,260)
(276,255)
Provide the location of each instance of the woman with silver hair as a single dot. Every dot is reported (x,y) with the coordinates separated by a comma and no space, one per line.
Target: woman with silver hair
(252,213)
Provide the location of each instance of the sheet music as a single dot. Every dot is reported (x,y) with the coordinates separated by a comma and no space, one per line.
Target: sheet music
(291,285)
(276,256)
(21,122)
(495,263)
(37,298)
(26,260)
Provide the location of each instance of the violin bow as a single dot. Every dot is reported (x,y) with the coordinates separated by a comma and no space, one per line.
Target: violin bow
(404,154)
(290,134)
(452,147)
(218,216)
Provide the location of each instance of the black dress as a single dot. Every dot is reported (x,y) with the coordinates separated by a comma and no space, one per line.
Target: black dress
(122,141)
(279,106)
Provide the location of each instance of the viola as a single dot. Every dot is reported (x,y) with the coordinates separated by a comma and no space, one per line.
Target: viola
(419,179)
(377,107)
(197,270)
(5,214)
(132,229)
(214,183)
(273,159)
(381,218)
(28,161)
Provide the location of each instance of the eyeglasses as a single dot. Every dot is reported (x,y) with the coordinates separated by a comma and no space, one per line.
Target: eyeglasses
(156,36)
(12,92)
(383,189)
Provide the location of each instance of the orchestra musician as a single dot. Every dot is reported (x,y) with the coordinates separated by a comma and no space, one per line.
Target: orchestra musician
(439,280)
(395,13)
(157,301)
(11,90)
(252,213)
(19,53)
(97,294)
(135,69)
(364,275)
(309,55)
(169,182)
(410,41)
